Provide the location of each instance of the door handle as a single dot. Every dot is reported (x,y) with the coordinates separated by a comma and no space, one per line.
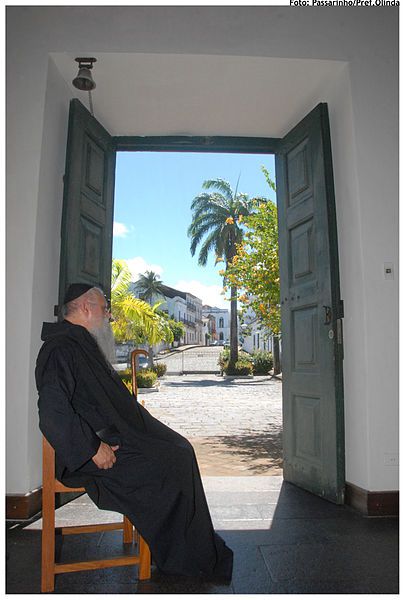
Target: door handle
(328,315)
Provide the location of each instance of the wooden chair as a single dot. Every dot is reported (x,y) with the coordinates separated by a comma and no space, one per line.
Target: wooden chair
(51,486)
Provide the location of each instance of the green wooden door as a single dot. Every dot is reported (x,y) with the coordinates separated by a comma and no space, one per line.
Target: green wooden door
(311,310)
(87,220)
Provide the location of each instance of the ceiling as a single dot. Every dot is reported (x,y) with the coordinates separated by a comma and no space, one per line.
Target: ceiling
(179,94)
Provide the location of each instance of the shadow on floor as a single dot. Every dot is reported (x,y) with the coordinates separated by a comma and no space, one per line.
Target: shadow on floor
(219,381)
(257,453)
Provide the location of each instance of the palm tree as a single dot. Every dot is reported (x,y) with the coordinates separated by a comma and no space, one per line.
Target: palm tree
(149,286)
(217,215)
(134,319)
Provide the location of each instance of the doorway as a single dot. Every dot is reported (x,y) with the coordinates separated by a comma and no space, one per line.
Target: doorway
(234,425)
(310,295)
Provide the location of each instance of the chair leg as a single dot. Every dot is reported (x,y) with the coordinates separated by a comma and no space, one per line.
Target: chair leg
(128,531)
(144,559)
(48,541)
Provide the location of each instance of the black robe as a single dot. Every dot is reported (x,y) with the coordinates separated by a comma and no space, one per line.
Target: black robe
(155,481)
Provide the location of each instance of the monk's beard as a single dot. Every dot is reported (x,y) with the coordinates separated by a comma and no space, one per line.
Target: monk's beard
(105,340)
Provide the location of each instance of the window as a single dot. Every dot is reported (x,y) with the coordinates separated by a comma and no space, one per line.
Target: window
(221,336)
(221,322)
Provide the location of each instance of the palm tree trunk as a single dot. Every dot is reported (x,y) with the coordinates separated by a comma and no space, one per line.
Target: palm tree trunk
(276,355)
(150,357)
(233,356)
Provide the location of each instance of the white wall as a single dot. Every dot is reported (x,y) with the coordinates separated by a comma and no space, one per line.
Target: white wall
(34,249)
(363,108)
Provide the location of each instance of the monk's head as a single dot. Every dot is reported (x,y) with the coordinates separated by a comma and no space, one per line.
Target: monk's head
(91,310)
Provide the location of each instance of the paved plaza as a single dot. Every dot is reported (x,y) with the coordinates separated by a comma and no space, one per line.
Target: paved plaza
(192,359)
(235,425)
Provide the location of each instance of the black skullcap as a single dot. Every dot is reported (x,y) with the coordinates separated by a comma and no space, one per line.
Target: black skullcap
(75,290)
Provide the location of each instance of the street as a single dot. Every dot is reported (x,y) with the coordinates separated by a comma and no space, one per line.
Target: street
(200,359)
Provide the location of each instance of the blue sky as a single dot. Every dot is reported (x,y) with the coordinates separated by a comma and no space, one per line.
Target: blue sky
(153,194)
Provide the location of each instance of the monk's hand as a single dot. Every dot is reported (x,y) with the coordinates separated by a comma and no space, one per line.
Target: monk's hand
(105,457)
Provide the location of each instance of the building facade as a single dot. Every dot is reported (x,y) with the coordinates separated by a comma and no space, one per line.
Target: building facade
(253,336)
(222,321)
(209,329)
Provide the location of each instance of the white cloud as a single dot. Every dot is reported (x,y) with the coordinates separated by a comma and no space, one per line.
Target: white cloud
(209,294)
(120,229)
(138,266)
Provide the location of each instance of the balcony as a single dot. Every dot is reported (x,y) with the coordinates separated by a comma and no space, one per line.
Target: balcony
(188,322)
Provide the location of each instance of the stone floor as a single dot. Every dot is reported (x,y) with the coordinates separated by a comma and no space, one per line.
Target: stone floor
(285,541)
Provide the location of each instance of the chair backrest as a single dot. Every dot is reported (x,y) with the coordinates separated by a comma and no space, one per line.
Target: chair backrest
(49,482)
(48,462)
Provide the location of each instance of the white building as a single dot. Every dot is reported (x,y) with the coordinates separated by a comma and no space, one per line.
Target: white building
(242,71)
(222,321)
(181,306)
(209,329)
(253,335)
(185,307)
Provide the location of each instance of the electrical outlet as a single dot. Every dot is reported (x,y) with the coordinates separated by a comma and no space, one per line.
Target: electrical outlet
(391,460)
(389,270)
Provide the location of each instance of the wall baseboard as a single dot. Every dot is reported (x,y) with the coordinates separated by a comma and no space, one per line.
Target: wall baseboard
(22,507)
(372,504)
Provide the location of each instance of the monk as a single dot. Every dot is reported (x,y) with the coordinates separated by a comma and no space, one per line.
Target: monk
(104,441)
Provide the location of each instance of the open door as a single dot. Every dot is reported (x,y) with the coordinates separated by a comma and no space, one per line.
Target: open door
(311,310)
(87,219)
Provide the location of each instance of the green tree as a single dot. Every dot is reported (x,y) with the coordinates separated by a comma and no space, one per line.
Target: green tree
(178,329)
(149,286)
(134,319)
(255,267)
(217,214)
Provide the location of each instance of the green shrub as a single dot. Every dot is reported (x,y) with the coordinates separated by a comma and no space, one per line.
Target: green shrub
(146,378)
(262,362)
(159,368)
(242,366)
(125,374)
(244,363)
(224,358)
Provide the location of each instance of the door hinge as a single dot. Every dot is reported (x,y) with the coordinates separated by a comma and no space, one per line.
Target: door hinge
(339,336)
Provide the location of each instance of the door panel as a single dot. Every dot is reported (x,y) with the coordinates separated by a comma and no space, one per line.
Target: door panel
(310,308)
(87,221)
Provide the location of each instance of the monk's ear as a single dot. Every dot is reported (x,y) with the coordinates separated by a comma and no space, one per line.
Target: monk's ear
(85,308)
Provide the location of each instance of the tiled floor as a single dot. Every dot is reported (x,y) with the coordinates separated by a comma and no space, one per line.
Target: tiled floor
(285,541)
